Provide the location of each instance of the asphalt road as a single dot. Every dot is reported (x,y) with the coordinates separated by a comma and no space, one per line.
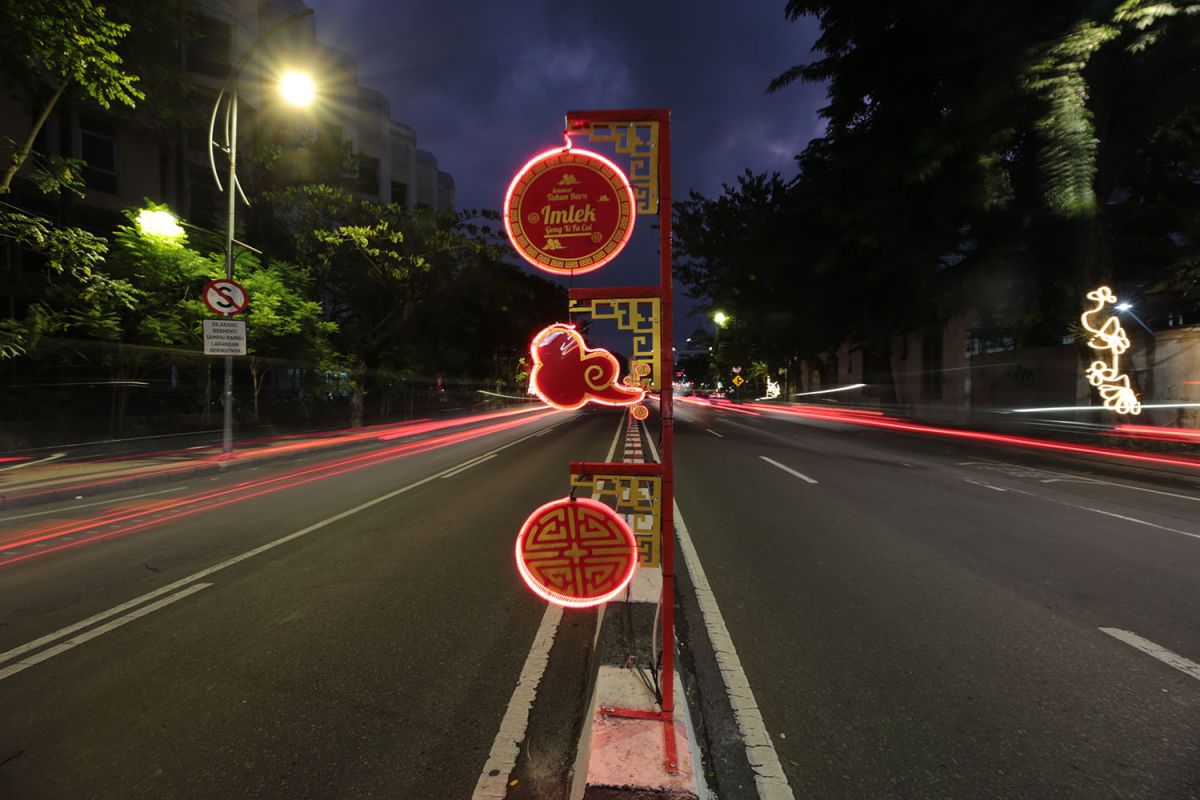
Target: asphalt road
(916,617)
(370,656)
(922,618)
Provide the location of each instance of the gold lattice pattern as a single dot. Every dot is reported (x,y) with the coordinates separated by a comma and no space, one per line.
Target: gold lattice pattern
(639,141)
(641,317)
(640,497)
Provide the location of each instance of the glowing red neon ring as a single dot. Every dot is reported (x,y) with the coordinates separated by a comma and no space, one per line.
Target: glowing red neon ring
(612,557)
(521,221)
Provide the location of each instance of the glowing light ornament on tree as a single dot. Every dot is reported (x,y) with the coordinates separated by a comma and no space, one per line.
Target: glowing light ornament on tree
(569,211)
(1115,390)
(568,375)
(576,553)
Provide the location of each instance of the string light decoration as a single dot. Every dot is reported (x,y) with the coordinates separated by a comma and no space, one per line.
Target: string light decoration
(1105,372)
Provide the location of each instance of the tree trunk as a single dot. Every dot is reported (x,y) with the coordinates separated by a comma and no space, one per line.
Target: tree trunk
(258,373)
(357,395)
(19,157)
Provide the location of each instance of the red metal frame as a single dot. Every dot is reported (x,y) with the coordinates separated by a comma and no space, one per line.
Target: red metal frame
(589,468)
(577,122)
(614,292)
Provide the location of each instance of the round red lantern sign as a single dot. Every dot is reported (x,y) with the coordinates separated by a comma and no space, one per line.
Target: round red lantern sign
(576,553)
(569,211)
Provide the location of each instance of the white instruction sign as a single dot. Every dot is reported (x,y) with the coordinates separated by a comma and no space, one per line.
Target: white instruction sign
(224,337)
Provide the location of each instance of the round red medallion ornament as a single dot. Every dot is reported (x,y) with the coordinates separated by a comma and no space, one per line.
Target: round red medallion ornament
(569,211)
(576,553)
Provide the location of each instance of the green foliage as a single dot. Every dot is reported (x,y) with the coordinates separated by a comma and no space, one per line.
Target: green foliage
(70,41)
(76,295)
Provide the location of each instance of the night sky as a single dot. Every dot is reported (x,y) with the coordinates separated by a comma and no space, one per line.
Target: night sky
(485,85)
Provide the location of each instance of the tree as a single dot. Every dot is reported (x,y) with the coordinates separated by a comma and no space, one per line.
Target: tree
(64,43)
(283,326)
(76,294)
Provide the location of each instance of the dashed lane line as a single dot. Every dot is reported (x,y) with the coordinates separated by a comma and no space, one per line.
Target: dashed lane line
(788,469)
(175,586)
(1168,657)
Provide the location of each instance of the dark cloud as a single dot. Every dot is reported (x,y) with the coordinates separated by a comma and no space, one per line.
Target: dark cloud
(485,85)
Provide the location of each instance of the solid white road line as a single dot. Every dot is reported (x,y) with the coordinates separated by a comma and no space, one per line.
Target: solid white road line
(62,647)
(89,505)
(1195,498)
(1168,657)
(985,485)
(787,469)
(466,467)
(24,464)
(769,777)
(714,433)
(502,758)
(493,782)
(229,562)
(1141,522)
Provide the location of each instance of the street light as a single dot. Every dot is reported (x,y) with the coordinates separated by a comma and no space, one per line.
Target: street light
(159,223)
(1127,308)
(296,88)
(721,318)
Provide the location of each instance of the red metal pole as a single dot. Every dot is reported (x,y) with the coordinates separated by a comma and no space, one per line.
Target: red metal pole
(577,121)
(666,378)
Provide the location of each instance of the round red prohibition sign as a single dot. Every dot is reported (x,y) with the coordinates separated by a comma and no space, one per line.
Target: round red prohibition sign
(569,211)
(225,296)
(576,553)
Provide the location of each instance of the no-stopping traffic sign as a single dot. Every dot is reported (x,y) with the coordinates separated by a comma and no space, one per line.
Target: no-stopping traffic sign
(225,297)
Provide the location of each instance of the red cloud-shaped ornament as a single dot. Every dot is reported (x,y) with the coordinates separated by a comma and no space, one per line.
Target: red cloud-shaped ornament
(567,374)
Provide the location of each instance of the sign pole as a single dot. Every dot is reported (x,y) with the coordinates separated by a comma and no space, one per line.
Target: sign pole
(667,413)
(227,425)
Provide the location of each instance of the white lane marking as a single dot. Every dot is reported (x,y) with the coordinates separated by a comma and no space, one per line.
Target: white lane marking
(502,758)
(769,777)
(229,562)
(62,647)
(1168,657)
(466,467)
(24,464)
(493,781)
(787,469)
(1106,513)
(985,485)
(1195,498)
(1141,522)
(89,505)
(714,433)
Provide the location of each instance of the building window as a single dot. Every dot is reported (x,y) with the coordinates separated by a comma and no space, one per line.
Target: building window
(400,193)
(368,175)
(208,54)
(98,148)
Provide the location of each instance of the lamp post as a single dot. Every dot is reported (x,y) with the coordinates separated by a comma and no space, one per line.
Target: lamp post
(295,88)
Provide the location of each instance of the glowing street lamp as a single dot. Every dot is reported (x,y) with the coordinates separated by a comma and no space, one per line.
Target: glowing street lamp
(159,223)
(721,318)
(297,88)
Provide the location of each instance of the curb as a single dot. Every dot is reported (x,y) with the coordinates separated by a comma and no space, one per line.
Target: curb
(624,757)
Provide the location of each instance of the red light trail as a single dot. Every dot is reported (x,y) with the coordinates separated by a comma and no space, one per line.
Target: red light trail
(207,500)
(325,440)
(878,420)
